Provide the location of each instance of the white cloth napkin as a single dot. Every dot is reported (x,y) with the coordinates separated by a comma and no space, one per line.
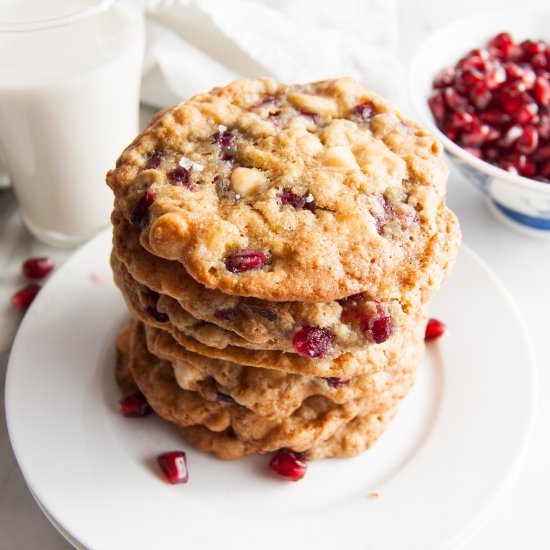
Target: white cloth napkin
(194,45)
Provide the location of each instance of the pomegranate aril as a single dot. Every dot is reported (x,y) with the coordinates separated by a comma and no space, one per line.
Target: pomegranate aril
(476,136)
(545,170)
(313,342)
(434,329)
(180,175)
(365,111)
(454,100)
(460,119)
(437,106)
(37,268)
(154,160)
(245,260)
(530,49)
(140,214)
(481,95)
(494,117)
(541,91)
(513,133)
(542,153)
(336,382)
(468,78)
(266,101)
(23,298)
(444,78)
(299,202)
(503,43)
(226,314)
(134,405)
(528,141)
(288,465)
(495,76)
(174,466)
(526,113)
(152,307)
(523,165)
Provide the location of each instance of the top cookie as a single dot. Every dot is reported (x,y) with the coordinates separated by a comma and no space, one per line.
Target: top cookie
(308,192)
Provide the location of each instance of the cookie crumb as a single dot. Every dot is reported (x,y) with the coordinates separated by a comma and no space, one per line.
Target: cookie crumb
(96,278)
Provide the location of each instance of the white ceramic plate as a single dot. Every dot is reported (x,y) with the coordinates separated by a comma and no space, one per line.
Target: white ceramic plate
(441,467)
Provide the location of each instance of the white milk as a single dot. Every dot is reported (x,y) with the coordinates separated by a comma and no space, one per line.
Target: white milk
(69,99)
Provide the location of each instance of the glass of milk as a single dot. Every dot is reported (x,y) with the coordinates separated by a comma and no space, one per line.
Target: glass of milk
(69,98)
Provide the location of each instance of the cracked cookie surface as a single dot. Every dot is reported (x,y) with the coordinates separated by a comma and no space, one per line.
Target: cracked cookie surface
(312,192)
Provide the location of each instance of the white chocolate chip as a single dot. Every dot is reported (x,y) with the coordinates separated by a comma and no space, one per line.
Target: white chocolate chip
(248,181)
(314,104)
(339,157)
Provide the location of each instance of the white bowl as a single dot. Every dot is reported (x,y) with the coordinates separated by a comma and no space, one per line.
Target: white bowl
(518,201)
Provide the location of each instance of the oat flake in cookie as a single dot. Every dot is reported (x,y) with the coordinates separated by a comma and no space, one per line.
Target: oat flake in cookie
(312,192)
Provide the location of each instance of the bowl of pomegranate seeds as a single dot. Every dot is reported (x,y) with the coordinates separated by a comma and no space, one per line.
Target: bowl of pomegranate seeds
(482,85)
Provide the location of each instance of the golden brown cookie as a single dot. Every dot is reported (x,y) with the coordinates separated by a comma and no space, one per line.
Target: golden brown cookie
(315,421)
(308,192)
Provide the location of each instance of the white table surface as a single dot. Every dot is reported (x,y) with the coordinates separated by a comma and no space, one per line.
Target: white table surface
(523,519)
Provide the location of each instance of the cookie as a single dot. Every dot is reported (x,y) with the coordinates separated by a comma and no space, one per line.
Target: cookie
(276,394)
(261,324)
(350,439)
(310,192)
(314,421)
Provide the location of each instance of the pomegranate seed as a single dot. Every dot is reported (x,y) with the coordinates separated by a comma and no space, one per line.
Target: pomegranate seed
(526,113)
(434,329)
(23,298)
(437,106)
(480,95)
(494,117)
(224,139)
(476,136)
(528,141)
(503,43)
(444,78)
(266,101)
(174,466)
(269,311)
(545,170)
(152,309)
(542,153)
(335,382)
(180,175)
(454,100)
(134,405)
(154,160)
(495,76)
(227,314)
(245,260)
(299,202)
(495,103)
(365,111)
(513,133)
(314,342)
(522,164)
(530,48)
(140,214)
(37,268)
(541,91)
(288,465)
(460,119)
(467,79)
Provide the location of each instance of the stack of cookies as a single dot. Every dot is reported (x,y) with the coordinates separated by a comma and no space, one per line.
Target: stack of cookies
(276,246)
